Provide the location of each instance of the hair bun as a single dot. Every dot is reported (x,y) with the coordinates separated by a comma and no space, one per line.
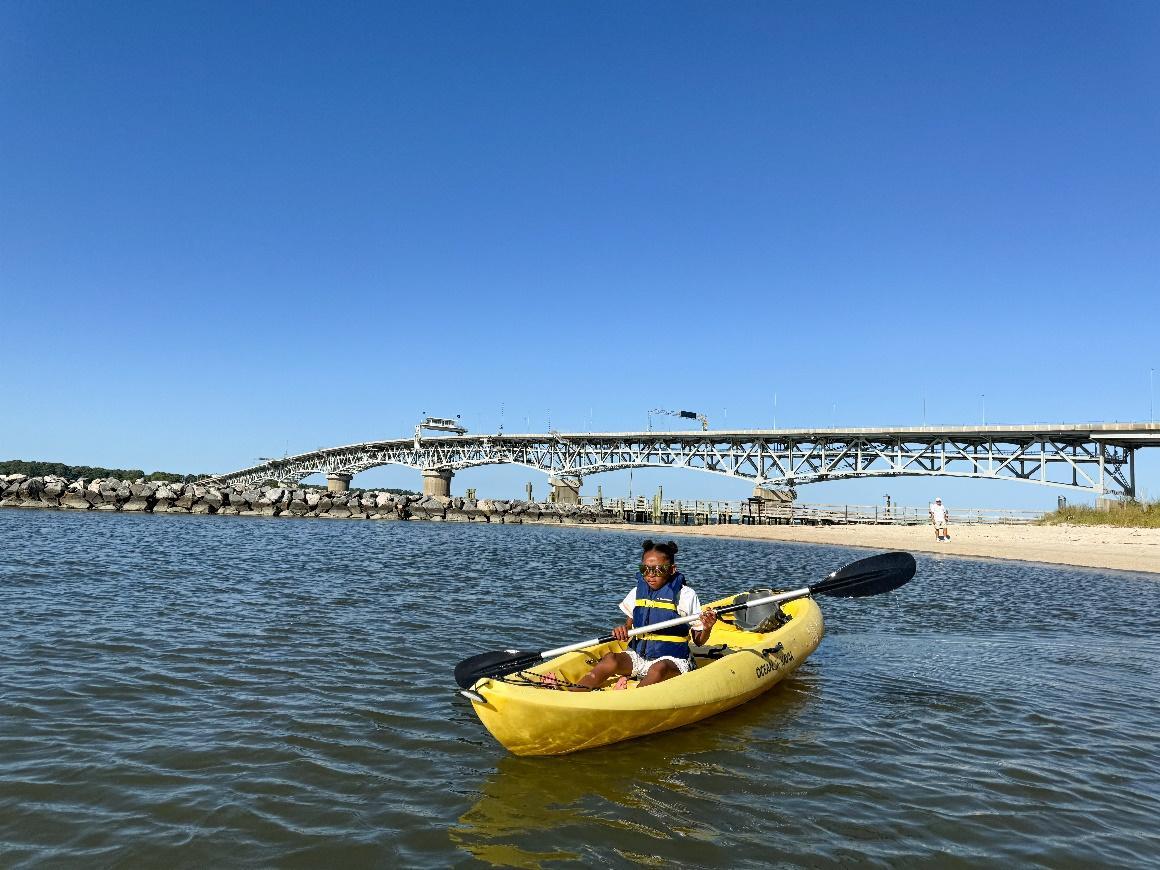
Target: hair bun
(647,545)
(673,547)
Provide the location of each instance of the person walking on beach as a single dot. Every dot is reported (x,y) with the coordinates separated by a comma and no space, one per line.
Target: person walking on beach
(938,519)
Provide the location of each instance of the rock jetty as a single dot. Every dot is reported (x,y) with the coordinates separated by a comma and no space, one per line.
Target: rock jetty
(144,496)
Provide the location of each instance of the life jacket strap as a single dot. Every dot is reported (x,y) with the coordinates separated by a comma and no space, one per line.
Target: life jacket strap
(662,605)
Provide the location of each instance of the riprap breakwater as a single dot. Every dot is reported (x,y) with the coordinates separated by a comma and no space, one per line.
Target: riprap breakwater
(143,496)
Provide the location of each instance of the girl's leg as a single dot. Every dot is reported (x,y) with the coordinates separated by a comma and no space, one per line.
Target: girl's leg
(661,670)
(611,664)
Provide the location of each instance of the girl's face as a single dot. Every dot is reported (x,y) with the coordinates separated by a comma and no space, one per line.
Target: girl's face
(656,568)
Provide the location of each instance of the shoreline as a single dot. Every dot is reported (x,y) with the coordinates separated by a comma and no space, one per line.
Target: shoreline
(1107,547)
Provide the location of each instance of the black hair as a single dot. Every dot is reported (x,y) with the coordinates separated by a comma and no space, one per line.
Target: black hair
(669,549)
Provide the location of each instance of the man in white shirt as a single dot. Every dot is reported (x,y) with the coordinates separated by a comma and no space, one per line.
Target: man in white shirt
(939,519)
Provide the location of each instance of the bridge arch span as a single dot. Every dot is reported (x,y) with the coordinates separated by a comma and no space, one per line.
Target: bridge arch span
(1095,458)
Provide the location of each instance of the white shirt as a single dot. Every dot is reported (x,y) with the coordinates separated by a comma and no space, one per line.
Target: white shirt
(938,513)
(687,606)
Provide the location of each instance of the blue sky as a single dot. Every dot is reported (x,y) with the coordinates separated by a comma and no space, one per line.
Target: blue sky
(233,230)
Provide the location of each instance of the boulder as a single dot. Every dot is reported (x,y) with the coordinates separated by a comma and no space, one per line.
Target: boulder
(275,495)
(75,501)
(31,488)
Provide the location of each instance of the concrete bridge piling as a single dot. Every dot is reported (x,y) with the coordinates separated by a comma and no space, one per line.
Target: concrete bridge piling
(437,482)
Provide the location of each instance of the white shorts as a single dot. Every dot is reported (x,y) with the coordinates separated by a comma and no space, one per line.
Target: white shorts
(640,665)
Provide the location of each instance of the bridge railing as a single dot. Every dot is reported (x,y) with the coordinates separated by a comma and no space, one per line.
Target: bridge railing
(758,512)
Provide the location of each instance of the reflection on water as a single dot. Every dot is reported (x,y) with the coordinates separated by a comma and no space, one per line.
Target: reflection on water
(645,796)
(204,691)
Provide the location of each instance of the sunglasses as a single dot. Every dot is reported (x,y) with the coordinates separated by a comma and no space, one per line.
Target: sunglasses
(656,570)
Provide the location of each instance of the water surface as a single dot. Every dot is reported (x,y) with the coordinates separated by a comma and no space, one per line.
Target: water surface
(194,691)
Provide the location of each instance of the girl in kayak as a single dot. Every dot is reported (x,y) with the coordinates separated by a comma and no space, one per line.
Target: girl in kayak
(660,595)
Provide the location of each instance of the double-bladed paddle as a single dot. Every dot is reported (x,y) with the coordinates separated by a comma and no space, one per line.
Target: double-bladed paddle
(871,576)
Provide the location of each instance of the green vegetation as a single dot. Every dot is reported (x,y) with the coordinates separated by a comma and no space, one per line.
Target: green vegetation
(1129,514)
(35,468)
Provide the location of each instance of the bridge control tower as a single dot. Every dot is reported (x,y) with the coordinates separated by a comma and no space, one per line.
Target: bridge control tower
(437,479)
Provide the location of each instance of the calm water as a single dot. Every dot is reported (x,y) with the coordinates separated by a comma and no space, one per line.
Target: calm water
(196,691)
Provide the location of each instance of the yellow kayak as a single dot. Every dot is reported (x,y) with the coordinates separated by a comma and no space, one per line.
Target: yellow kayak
(736,666)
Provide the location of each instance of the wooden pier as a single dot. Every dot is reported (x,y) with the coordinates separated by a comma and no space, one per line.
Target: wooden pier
(760,512)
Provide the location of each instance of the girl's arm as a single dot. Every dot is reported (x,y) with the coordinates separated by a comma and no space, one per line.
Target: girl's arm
(708,618)
(621,631)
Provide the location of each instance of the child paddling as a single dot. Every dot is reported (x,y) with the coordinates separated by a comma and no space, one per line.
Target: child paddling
(660,595)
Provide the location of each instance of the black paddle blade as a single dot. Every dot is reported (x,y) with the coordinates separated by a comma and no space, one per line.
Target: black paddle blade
(497,663)
(871,576)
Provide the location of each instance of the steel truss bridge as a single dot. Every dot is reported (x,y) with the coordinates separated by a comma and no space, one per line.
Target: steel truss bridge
(1093,458)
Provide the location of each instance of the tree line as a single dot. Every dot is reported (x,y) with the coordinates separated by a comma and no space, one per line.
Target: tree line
(37,468)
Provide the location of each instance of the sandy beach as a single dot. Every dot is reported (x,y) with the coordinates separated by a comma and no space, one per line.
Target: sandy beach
(1086,546)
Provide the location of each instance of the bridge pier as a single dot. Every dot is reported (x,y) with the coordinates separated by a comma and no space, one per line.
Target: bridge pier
(565,490)
(338,481)
(437,481)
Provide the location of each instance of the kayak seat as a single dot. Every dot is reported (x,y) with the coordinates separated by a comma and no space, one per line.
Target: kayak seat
(761,619)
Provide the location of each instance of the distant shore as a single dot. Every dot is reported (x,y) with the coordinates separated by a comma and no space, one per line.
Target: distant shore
(1119,549)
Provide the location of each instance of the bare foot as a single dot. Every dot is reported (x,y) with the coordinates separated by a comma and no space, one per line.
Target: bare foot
(549,681)
(622,683)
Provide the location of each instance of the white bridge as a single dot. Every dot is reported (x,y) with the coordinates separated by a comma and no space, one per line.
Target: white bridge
(1097,458)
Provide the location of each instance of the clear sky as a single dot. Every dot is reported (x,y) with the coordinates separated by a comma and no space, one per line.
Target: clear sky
(231,230)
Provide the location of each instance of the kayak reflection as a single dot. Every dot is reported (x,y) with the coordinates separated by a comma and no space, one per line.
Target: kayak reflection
(648,797)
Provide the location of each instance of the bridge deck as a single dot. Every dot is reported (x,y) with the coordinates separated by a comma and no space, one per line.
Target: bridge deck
(1092,457)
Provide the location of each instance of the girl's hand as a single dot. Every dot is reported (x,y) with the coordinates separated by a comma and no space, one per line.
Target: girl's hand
(708,618)
(620,632)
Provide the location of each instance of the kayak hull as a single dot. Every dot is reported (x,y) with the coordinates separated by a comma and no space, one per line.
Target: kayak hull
(530,720)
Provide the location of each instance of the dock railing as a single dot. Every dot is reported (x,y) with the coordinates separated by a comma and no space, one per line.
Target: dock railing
(754,511)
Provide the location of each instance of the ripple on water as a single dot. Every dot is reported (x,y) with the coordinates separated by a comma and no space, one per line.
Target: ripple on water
(200,691)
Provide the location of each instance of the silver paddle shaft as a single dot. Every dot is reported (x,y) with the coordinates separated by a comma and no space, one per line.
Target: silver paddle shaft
(680,620)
